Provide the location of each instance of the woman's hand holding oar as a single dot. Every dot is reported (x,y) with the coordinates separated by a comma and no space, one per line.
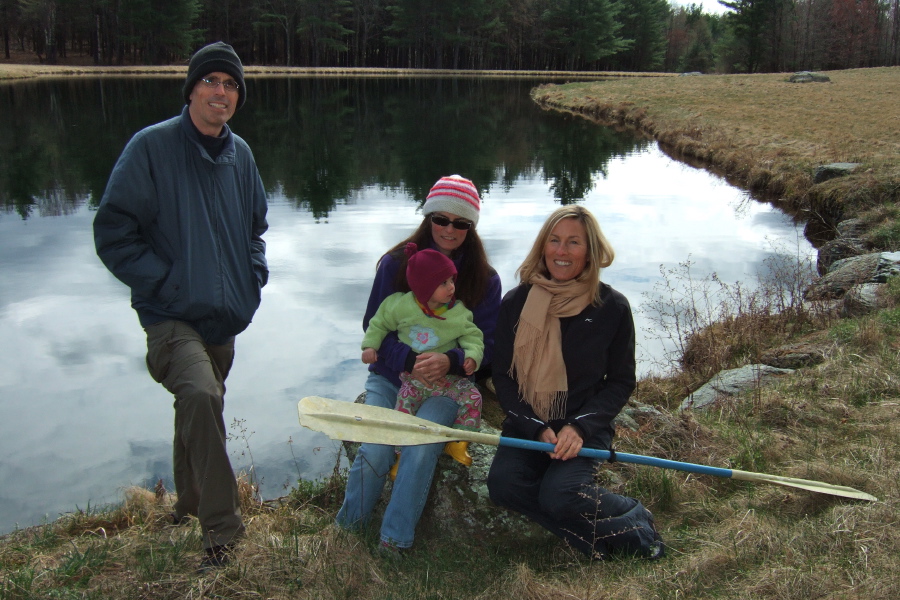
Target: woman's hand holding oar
(355,422)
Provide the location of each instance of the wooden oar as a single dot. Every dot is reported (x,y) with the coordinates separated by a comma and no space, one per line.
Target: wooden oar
(355,422)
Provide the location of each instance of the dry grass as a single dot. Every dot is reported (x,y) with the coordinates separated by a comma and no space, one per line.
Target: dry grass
(727,539)
(764,133)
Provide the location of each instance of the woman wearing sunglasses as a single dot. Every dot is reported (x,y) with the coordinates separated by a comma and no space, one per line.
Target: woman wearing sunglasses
(451,213)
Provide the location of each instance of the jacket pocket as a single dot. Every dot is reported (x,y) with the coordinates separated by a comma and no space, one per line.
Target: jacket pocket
(171,289)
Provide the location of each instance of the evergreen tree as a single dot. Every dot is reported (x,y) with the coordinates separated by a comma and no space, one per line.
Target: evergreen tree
(320,25)
(9,17)
(582,31)
(644,29)
(758,28)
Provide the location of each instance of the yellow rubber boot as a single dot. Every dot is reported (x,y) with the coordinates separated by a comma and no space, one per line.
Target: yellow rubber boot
(459,451)
(393,472)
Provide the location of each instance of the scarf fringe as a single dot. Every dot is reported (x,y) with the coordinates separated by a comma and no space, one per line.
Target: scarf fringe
(547,404)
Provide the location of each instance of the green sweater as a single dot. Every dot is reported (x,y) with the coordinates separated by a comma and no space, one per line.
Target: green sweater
(399,312)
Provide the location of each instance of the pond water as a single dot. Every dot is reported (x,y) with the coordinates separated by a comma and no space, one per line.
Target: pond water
(347,164)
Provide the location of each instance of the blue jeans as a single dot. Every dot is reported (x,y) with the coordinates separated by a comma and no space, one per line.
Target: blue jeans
(373,461)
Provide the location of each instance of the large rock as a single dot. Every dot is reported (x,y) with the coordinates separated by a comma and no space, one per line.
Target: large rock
(832,170)
(727,384)
(840,248)
(794,356)
(808,77)
(847,244)
(852,228)
(861,300)
(459,506)
(888,266)
(843,275)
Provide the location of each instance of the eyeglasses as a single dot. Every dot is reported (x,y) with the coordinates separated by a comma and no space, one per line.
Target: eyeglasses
(213,82)
(442,221)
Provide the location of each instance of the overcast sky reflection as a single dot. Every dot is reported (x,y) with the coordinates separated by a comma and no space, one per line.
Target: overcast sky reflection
(82,419)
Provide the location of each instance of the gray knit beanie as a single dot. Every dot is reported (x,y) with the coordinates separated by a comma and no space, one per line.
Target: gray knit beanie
(217,56)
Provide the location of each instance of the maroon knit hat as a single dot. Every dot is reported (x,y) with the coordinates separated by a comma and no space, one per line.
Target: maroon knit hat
(426,270)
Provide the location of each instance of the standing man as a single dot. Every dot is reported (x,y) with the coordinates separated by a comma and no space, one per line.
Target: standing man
(181,224)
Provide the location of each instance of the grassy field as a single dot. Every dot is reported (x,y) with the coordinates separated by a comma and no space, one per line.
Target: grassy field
(834,422)
(764,133)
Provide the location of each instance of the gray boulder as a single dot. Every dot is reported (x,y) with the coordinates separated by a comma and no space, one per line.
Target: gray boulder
(852,228)
(838,249)
(727,384)
(847,244)
(832,170)
(459,506)
(888,266)
(808,77)
(843,275)
(861,300)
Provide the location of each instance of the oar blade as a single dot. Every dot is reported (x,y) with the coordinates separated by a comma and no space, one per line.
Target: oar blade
(354,422)
(804,484)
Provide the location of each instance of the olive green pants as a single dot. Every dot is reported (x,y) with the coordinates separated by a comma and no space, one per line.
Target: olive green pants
(194,372)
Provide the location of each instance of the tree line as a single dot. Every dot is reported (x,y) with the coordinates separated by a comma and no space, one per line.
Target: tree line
(574,35)
(317,140)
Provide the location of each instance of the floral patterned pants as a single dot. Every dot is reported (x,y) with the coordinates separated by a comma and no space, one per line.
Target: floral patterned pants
(461,389)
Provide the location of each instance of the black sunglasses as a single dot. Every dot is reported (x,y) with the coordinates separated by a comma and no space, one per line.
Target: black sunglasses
(442,221)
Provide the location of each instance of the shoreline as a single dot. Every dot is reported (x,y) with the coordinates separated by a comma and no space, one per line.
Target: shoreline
(19,71)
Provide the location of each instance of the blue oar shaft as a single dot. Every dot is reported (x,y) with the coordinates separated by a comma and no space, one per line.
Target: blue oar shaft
(377,425)
(637,459)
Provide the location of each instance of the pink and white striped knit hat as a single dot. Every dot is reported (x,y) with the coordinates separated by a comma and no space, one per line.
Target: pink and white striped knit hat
(456,195)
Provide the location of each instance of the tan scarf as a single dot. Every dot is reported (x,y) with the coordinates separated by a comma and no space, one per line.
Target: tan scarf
(537,350)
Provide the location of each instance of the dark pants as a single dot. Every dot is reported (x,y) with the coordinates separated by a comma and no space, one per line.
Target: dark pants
(194,372)
(562,497)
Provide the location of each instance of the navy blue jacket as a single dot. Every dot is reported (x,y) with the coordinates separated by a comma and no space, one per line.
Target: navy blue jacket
(184,231)
(598,350)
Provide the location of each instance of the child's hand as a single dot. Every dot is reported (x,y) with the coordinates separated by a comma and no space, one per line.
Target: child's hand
(369,356)
(469,366)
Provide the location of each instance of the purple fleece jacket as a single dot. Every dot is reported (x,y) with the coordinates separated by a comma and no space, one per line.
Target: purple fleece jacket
(394,355)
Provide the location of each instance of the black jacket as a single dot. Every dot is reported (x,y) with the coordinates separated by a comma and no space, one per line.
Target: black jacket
(598,349)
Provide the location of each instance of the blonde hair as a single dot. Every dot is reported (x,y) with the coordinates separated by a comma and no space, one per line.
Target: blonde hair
(599,252)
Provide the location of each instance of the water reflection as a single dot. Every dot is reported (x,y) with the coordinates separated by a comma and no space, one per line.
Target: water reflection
(346,163)
(317,141)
